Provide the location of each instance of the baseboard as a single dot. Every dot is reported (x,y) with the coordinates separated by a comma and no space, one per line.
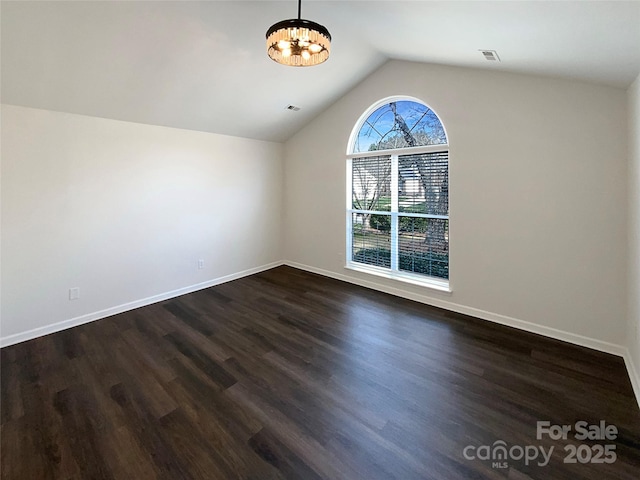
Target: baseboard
(633,374)
(90,317)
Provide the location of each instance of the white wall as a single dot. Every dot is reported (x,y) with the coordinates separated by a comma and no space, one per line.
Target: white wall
(124,211)
(538,197)
(633,333)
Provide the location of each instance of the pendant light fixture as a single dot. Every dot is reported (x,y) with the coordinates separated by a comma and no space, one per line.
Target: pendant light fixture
(297,42)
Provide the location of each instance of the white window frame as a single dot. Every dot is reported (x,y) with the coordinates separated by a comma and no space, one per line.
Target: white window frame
(393,272)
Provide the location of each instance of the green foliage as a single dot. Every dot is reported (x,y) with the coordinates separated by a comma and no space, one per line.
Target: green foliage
(412,224)
(380,222)
(428,263)
(379,257)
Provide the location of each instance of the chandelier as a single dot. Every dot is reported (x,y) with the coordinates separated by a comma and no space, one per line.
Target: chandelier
(297,42)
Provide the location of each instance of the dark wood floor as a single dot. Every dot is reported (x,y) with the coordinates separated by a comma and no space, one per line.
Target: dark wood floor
(286,374)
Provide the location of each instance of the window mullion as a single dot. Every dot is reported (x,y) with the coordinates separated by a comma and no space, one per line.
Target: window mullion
(394,213)
(349,220)
(349,255)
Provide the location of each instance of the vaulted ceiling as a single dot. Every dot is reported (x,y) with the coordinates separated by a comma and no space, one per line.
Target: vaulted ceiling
(203,66)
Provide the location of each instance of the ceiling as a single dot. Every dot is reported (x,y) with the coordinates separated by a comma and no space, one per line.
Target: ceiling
(203,66)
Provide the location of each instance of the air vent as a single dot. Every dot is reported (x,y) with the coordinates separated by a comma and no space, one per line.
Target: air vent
(293,108)
(490,55)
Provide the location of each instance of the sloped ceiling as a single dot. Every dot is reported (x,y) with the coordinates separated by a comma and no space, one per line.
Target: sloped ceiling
(203,66)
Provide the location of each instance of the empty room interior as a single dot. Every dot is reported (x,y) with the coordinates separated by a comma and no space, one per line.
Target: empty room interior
(320,240)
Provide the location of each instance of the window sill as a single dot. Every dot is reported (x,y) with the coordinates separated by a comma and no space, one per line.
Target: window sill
(427,282)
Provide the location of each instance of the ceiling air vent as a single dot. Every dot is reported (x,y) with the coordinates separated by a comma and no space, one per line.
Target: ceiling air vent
(490,55)
(293,108)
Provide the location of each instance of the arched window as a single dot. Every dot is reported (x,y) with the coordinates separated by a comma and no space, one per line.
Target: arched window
(398,194)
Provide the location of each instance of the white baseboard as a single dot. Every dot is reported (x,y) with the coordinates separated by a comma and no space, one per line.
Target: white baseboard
(90,317)
(492,317)
(633,374)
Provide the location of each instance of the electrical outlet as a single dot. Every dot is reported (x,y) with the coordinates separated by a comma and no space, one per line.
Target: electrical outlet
(74,293)
(200,264)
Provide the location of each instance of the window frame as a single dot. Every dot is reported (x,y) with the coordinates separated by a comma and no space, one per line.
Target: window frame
(393,272)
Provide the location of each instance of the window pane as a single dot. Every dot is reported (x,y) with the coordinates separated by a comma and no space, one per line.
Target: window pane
(371,239)
(423,246)
(400,124)
(371,183)
(423,185)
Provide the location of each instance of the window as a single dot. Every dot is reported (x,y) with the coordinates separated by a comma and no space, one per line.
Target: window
(398,194)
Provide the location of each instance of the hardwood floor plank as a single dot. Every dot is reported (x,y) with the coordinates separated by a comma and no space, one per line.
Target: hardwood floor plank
(206,396)
(82,425)
(292,434)
(11,406)
(273,451)
(149,435)
(136,374)
(210,367)
(190,318)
